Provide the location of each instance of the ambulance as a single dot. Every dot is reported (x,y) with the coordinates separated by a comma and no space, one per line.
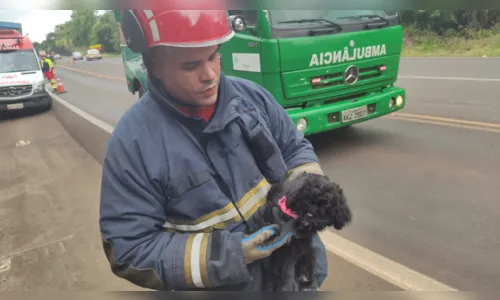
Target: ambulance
(22,84)
(329,69)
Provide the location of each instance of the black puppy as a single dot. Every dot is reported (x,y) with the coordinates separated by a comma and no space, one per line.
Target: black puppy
(303,206)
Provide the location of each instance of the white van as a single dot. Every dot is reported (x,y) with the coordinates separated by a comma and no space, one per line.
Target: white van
(22,84)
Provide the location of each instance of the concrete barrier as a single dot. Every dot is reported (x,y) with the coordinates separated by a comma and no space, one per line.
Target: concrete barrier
(90,132)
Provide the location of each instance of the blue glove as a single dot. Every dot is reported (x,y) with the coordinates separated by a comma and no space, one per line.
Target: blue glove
(263,242)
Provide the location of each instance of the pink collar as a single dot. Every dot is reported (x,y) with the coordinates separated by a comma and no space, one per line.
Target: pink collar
(284,209)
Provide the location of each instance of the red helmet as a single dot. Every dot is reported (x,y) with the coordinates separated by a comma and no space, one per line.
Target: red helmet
(144,29)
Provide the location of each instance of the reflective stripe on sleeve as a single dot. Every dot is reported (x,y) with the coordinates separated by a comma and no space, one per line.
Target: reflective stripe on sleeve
(195,261)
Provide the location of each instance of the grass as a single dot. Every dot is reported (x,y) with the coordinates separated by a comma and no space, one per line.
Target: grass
(418,43)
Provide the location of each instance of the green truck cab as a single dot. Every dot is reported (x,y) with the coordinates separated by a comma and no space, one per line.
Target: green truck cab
(328,69)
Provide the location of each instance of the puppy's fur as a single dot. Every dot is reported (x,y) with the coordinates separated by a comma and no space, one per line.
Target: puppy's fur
(318,203)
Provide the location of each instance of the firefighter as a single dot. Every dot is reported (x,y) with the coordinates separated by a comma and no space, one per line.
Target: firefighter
(189,164)
(48,70)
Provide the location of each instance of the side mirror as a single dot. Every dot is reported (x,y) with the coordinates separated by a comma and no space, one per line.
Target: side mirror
(238,22)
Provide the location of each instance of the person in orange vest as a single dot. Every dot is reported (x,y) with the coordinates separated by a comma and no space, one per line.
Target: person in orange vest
(48,69)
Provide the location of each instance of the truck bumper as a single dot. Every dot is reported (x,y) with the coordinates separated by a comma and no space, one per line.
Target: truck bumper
(39,101)
(329,117)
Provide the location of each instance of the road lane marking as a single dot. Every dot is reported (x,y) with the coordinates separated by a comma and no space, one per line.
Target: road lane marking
(95,121)
(455,125)
(99,75)
(399,76)
(448,120)
(397,116)
(450,78)
(449,57)
(380,266)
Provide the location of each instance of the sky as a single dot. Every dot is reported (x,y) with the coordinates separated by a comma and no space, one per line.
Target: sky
(37,23)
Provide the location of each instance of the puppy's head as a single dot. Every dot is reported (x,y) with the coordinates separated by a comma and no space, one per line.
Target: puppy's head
(317,202)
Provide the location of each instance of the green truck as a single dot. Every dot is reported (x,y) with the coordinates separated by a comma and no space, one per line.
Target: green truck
(329,69)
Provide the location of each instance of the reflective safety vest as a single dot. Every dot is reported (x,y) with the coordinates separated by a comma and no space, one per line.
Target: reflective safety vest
(46,64)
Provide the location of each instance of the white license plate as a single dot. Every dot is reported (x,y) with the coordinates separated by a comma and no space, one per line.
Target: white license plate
(15,106)
(354,114)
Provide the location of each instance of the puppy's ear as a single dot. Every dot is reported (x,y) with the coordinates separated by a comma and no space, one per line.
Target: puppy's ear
(342,214)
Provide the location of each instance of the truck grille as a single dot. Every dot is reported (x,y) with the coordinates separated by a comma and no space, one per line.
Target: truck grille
(334,79)
(15,91)
(323,83)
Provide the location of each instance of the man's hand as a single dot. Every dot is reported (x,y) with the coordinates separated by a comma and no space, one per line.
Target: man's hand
(259,245)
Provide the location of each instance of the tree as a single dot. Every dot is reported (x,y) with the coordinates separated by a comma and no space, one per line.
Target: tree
(81,26)
(105,32)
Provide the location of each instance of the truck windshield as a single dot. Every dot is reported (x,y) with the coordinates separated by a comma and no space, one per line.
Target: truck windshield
(284,22)
(286,17)
(18,61)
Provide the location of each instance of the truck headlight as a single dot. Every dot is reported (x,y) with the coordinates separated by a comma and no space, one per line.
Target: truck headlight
(399,101)
(39,87)
(302,124)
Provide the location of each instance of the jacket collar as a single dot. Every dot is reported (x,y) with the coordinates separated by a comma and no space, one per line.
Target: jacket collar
(226,109)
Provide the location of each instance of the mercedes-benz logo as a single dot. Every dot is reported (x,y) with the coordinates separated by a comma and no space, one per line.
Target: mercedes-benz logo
(351,75)
(12,91)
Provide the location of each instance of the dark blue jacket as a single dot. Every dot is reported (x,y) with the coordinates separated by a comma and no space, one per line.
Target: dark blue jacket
(170,184)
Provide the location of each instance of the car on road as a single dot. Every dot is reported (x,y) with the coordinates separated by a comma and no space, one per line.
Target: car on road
(77,55)
(22,83)
(93,54)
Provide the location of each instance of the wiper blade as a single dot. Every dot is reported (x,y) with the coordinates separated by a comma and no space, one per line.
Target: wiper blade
(314,20)
(367,16)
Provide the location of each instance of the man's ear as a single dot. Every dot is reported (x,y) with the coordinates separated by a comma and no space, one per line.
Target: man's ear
(150,60)
(153,66)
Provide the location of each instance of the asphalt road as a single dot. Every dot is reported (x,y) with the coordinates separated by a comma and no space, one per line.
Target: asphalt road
(422,186)
(105,99)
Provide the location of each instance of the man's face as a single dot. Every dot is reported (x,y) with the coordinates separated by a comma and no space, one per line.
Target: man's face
(191,75)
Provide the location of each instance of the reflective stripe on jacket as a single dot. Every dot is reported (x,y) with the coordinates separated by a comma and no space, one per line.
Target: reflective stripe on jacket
(169,182)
